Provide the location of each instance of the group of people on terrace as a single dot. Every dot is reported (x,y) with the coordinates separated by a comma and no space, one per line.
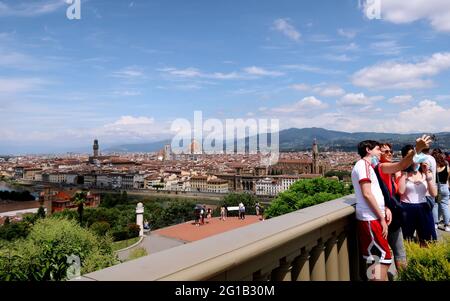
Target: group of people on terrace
(399,200)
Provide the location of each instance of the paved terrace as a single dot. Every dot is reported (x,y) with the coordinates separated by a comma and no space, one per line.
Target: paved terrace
(190,232)
(173,236)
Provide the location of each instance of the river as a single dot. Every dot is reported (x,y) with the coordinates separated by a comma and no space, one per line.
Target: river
(7,187)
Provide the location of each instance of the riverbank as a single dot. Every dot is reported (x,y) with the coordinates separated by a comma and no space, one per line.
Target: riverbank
(6,206)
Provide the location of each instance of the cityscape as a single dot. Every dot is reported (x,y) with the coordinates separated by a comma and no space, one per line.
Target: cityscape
(225,141)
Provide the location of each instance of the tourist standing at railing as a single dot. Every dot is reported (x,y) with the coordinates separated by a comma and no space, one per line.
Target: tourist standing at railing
(372,215)
(370,210)
(389,186)
(441,208)
(414,185)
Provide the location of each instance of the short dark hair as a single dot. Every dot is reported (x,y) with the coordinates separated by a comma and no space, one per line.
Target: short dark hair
(371,144)
(386,144)
(406,149)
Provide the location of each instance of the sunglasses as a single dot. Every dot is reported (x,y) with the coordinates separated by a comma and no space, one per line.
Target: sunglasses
(387,152)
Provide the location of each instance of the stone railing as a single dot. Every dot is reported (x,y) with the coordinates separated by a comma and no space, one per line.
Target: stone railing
(315,243)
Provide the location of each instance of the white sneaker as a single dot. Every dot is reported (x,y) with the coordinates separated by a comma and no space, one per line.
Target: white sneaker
(447,229)
(436,226)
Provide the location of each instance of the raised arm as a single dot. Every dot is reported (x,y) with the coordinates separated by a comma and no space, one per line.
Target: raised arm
(421,144)
(432,187)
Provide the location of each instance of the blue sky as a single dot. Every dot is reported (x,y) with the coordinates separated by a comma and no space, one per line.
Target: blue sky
(127,69)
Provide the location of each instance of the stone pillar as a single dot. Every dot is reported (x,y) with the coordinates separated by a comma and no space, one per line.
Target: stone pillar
(331,259)
(283,272)
(261,276)
(140,218)
(344,264)
(300,267)
(317,262)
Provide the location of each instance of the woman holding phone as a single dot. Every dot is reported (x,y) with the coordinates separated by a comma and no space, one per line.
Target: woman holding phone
(415,184)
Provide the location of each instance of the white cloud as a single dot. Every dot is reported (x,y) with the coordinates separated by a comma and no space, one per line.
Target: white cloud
(19,85)
(338,58)
(436,12)
(283,26)
(300,87)
(329,91)
(305,105)
(345,48)
(392,75)
(30,9)
(17,60)
(132,121)
(253,70)
(129,73)
(349,34)
(428,116)
(312,69)
(321,89)
(248,73)
(386,48)
(129,128)
(401,99)
(320,38)
(352,99)
(127,93)
(421,118)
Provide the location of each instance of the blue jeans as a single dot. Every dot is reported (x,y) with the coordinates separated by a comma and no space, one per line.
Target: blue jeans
(441,209)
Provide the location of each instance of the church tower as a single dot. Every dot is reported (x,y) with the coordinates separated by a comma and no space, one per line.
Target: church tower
(315,155)
(95,148)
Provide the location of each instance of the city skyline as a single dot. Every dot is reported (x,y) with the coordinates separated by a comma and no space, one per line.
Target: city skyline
(126,70)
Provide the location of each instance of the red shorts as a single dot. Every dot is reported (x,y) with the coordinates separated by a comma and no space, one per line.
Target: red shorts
(371,242)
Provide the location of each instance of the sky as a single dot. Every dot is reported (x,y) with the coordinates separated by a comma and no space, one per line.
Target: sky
(127,69)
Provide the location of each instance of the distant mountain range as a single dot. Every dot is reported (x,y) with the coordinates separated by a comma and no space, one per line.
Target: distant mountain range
(301,139)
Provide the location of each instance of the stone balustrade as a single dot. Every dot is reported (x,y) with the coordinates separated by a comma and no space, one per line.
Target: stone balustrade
(316,243)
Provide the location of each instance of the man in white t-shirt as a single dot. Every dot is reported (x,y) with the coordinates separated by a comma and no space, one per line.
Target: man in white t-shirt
(373,218)
(370,209)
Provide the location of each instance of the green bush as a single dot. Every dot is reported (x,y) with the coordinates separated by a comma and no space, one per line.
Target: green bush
(13,231)
(233,199)
(306,193)
(119,235)
(100,228)
(44,254)
(133,230)
(427,264)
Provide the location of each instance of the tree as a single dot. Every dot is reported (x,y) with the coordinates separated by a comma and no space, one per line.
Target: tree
(100,228)
(306,193)
(41,212)
(80,199)
(44,254)
(124,197)
(249,201)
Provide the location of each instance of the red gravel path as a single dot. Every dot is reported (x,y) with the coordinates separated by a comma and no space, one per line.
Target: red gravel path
(190,232)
